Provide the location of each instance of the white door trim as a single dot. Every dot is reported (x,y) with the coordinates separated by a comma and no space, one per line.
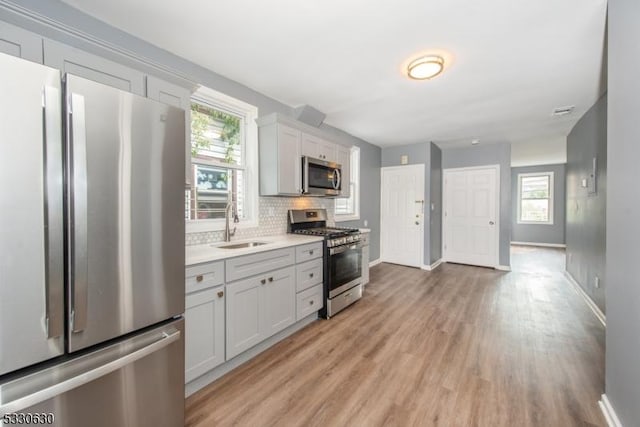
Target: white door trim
(496,263)
(421,168)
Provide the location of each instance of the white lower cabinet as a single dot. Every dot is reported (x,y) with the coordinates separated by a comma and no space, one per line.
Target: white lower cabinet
(259,307)
(204,331)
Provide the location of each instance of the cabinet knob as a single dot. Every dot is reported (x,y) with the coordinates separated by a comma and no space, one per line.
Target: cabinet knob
(310,252)
(199,278)
(310,274)
(270,279)
(311,302)
(220,294)
(263,281)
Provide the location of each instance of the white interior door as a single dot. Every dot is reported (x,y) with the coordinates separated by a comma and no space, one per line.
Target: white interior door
(471,213)
(401,211)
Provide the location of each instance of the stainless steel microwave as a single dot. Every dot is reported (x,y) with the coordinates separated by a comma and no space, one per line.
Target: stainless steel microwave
(320,178)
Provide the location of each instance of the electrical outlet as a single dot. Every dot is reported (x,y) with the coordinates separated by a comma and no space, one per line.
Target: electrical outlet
(596,282)
(366,223)
(570,257)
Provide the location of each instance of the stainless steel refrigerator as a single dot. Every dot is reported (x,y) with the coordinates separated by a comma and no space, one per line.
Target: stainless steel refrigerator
(91,252)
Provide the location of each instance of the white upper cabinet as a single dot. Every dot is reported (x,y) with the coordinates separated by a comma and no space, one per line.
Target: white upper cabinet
(280,160)
(83,64)
(21,43)
(177,96)
(344,159)
(318,148)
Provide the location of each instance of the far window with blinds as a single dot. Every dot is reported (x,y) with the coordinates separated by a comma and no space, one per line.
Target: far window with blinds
(348,209)
(535,198)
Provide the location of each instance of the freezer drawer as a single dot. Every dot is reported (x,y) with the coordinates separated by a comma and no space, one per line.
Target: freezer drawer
(138,382)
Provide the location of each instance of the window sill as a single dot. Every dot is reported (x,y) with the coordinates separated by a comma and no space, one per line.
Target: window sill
(534,223)
(204,226)
(342,218)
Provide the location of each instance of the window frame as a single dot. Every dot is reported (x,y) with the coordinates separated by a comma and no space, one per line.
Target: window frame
(356,189)
(550,220)
(249,113)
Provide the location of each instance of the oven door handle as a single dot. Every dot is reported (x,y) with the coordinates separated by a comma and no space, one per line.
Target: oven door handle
(344,248)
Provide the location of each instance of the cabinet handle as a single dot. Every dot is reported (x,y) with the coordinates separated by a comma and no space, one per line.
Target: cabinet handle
(199,278)
(310,252)
(311,302)
(270,279)
(220,294)
(263,281)
(310,274)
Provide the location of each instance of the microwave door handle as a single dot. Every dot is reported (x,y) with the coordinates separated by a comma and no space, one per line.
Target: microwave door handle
(336,179)
(78,205)
(305,175)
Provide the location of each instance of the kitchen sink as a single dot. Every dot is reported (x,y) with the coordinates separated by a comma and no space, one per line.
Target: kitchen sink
(241,245)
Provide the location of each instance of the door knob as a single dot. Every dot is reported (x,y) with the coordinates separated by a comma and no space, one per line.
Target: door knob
(491,222)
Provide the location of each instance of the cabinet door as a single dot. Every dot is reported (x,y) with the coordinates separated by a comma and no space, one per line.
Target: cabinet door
(21,43)
(279,300)
(93,67)
(204,330)
(344,159)
(178,97)
(289,161)
(244,320)
(311,146)
(328,151)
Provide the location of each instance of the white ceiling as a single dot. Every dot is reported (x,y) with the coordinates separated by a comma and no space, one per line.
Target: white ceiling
(508,63)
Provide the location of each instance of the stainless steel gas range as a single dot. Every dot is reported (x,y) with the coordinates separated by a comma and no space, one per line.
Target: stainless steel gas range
(342,258)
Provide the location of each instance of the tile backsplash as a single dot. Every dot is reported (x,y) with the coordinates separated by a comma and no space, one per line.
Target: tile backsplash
(272,219)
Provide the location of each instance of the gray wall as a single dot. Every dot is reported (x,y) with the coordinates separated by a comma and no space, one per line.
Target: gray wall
(418,154)
(586,227)
(623,204)
(540,233)
(483,155)
(141,55)
(436,201)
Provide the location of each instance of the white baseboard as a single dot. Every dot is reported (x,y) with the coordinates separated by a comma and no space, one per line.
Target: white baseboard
(375,262)
(592,305)
(608,412)
(432,266)
(544,245)
(503,267)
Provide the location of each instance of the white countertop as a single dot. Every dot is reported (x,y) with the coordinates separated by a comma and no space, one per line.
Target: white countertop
(197,254)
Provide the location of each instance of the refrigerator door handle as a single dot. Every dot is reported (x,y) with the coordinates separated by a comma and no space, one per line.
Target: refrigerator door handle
(54,283)
(52,391)
(78,217)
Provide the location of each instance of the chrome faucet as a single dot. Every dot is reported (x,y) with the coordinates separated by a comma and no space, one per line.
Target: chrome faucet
(228,234)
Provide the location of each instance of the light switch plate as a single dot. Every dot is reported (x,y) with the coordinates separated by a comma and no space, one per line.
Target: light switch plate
(404,160)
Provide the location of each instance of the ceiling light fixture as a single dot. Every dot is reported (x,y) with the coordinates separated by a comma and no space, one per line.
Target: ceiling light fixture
(425,67)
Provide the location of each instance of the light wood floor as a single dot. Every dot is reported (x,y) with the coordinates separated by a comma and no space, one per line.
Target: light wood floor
(459,346)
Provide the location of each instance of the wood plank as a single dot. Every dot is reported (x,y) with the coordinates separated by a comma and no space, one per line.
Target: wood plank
(459,345)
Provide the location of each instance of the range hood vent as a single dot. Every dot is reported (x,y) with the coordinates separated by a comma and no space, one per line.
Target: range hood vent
(309,115)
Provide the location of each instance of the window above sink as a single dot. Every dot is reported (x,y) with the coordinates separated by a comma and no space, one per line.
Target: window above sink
(223,162)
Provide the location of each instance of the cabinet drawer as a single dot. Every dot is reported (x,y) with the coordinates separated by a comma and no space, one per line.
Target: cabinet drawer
(203,276)
(250,265)
(308,252)
(308,274)
(309,301)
